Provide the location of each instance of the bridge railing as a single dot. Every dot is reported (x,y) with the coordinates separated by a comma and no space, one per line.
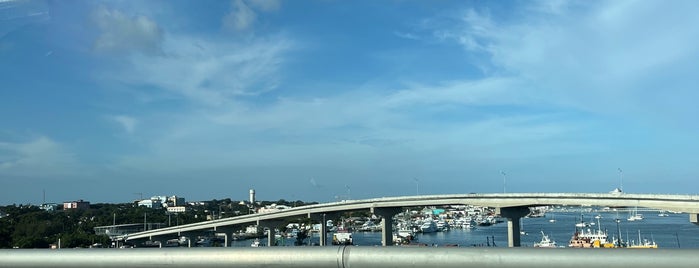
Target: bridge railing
(349,256)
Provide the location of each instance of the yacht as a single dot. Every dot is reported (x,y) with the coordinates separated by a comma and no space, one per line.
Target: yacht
(545,242)
(428,226)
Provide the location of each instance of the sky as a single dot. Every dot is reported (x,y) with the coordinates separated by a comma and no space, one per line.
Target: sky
(328,100)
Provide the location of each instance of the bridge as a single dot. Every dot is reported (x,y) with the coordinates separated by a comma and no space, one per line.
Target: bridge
(512,206)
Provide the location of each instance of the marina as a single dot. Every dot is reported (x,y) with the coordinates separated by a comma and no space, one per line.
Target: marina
(672,230)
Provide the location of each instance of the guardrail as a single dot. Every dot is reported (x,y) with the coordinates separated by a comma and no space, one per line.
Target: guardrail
(349,256)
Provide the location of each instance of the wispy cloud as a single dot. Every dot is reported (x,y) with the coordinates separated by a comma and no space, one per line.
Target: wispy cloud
(596,59)
(206,71)
(127,122)
(266,5)
(40,157)
(123,33)
(240,18)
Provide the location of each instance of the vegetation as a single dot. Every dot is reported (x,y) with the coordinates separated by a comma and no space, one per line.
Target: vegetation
(28,226)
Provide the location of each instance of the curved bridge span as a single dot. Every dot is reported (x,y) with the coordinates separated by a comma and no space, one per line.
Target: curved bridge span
(513,206)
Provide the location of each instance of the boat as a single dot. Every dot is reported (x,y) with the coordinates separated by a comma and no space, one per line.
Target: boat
(587,238)
(642,243)
(553,218)
(442,226)
(369,226)
(256,243)
(342,236)
(634,216)
(428,226)
(545,242)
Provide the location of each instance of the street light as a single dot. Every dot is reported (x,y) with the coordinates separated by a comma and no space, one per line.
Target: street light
(504,182)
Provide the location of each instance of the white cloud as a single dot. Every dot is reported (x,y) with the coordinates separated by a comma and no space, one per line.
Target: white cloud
(265,5)
(122,33)
(41,157)
(240,18)
(206,71)
(127,122)
(609,58)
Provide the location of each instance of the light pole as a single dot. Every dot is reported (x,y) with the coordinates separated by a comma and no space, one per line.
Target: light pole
(504,182)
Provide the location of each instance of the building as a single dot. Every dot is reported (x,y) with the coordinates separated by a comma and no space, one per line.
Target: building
(175,201)
(272,208)
(49,207)
(80,204)
(178,209)
(150,203)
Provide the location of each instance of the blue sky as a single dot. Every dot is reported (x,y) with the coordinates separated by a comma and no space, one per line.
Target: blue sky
(318,100)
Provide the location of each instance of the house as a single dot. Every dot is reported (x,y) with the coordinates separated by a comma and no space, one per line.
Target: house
(79,205)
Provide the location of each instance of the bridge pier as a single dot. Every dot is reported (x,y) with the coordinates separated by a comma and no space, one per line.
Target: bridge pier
(323,232)
(513,215)
(694,218)
(386,214)
(271,226)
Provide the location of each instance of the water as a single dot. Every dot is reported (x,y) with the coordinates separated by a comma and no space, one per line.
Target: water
(673,231)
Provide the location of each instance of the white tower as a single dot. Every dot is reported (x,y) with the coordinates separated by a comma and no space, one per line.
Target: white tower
(252,196)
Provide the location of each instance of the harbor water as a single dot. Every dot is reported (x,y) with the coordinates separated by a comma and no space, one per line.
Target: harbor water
(670,231)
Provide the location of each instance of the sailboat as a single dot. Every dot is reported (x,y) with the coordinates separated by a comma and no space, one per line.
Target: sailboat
(634,216)
(553,218)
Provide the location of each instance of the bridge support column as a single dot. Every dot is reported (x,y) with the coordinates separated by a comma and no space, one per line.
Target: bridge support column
(386,223)
(270,237)
(513,214)
(270,225)
(694,218)
(323,232)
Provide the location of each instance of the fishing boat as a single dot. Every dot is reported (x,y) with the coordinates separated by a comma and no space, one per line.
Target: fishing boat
(545,242)
(587,238)
(642,243)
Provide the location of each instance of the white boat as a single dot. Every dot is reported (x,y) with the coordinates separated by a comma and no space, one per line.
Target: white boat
(545,242)
(442,226)
(256,243)
(428,226)
(369,226)
(642,243)
(634,216)
(342,237)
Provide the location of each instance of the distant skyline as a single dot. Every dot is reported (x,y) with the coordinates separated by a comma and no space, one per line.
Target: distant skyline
(328,100)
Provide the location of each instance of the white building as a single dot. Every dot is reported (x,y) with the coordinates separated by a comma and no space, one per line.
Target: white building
(273,208)
(150,203)
(178,209)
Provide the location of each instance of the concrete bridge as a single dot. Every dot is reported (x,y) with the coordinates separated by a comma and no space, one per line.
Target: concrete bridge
(512,206)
